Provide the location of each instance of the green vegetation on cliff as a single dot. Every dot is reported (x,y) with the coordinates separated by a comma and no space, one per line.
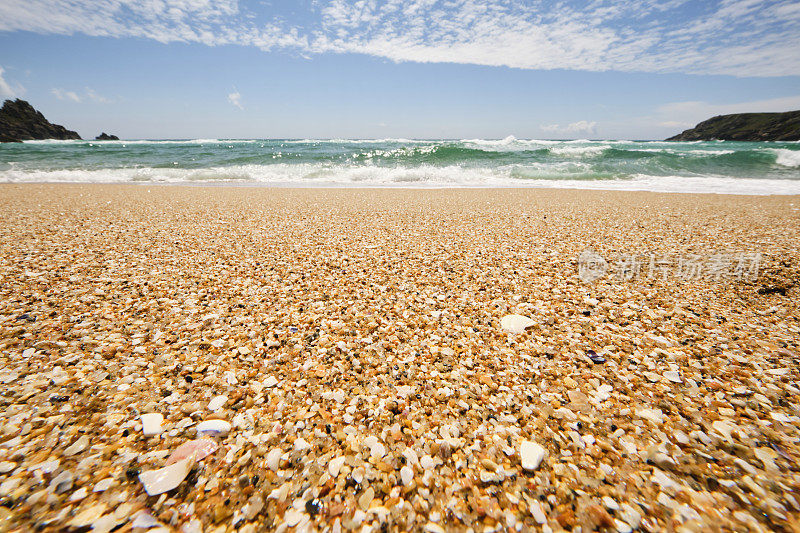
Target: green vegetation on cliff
(746,127)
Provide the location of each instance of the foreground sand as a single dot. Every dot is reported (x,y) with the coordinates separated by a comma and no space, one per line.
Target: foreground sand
(353,340)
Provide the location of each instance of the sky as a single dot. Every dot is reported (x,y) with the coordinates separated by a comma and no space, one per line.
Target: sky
(599,69)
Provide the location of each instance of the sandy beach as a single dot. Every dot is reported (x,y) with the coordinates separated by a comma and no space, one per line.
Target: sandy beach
(223,359)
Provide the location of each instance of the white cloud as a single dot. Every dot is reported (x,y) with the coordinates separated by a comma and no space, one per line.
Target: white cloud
(235,98)
(6,89)
(61,94)
(582,126)
(736,37)
(92,95)
(88,94)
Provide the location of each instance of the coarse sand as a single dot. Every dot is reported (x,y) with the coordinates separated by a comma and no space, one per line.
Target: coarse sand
(247,359)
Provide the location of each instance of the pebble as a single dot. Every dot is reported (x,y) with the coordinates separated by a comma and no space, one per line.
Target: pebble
(78,495)
(610,504)
(537,512)
(78,446)
(724,428)
(653,415)
(531,455)
(631,516)
(673,375)
(622,527)
(103,485)
(254,506)
(88,516)
(334,466)
(366,498)
(144,520)
(407,475)
(7,520)
(516,323)
(596,358)
(217,403)
(292,517)
(151,424)
(62,482)
(274,459)
(378,451)
(164,479)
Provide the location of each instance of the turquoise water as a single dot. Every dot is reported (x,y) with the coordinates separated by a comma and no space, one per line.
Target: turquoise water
(725,167)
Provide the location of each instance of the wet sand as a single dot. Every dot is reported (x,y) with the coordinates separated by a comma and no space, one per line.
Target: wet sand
(338,359)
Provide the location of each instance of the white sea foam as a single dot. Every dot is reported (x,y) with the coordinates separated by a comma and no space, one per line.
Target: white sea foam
(787,158)
(580,151)
(711,152)
(354,141)
(304,174)
(682,153)
(509,144)
(574,175)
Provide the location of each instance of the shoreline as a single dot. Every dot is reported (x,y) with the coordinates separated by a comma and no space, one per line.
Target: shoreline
(344,187)
(708,167)
(340,358)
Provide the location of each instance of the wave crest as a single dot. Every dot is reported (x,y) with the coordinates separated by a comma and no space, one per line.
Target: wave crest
(787,158)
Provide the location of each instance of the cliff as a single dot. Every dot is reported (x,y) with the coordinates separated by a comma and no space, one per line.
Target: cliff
(19,121)
(746,127)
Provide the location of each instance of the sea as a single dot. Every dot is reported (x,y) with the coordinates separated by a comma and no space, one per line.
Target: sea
(681,167)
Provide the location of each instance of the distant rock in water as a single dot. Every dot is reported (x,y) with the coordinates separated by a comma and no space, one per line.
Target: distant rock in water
(746,127)
(106,137)
(19,121)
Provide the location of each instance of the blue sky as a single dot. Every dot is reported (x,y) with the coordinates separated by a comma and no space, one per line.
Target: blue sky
(391,68)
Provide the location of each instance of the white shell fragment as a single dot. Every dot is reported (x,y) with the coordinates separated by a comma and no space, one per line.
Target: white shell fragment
(516,323)
(78,446)
(144,520)
(214,427)
(103,484)
(151,424)
(653,415)
(274,459)
(167,478)
(217,403)
(200,449)
(407,475)
(531,455)
(335,465)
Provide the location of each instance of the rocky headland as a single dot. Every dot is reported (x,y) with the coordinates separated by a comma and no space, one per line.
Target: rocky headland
(745,127)
(19,121)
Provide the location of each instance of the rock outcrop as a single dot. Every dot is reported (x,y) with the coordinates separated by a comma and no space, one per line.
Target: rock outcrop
(746,127)
(19,121)
(106,137)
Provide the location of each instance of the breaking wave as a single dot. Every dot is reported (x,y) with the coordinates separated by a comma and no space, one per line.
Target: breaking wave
(732,167)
